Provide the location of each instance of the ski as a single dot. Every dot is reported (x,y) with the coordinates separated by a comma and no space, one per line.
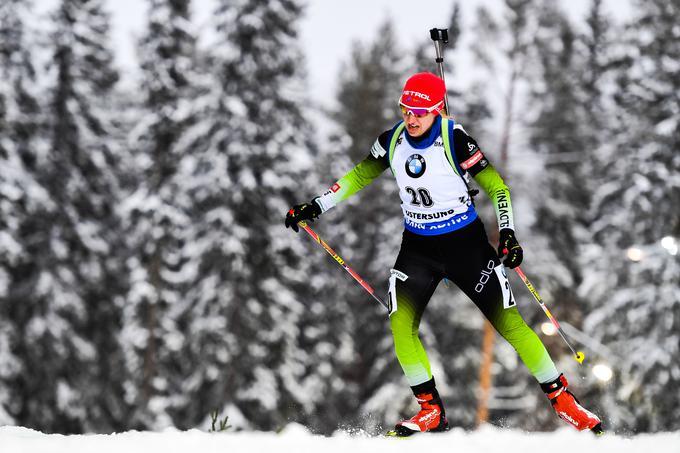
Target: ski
(403,432)
(406,433)
(597,430)
(393,433)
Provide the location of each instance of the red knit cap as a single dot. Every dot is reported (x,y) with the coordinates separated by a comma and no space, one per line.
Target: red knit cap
(423,90)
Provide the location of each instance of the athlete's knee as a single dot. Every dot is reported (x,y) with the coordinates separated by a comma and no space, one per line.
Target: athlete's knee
(403,324)
(516,332)
(404,342)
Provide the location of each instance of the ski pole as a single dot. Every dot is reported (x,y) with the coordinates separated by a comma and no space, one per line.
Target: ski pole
(440,36)
(342,263)
(579,356)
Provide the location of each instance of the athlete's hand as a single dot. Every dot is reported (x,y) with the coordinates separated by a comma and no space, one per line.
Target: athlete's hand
(299,212)
(508,245)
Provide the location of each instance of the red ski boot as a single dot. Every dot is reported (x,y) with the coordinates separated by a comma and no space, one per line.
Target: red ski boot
(568,407)
(430,418)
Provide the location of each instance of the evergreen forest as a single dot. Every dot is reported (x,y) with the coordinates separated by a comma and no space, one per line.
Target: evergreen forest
(146,276)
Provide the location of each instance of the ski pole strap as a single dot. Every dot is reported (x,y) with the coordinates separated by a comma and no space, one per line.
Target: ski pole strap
(342,263)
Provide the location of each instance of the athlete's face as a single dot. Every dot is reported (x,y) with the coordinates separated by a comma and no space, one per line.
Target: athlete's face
(417,125)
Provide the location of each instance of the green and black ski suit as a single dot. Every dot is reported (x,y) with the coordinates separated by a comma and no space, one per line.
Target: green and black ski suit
(443,238)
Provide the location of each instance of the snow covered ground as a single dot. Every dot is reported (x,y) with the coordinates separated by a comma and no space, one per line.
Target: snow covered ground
(296,439)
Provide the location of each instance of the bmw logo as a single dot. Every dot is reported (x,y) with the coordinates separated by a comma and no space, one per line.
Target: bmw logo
(415,166)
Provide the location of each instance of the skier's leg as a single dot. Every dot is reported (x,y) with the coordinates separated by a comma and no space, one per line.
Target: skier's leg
(499,307)
(411,286)
(483,279)
(412,282)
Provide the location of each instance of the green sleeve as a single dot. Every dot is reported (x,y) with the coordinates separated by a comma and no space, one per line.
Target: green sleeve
(498,192)
(356,179)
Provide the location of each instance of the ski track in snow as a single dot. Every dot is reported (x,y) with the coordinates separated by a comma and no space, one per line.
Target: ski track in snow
(297,439)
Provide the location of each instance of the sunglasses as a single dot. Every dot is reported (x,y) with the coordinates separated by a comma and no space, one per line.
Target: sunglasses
(418,112)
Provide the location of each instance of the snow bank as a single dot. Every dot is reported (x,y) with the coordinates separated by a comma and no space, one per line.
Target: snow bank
(296,439)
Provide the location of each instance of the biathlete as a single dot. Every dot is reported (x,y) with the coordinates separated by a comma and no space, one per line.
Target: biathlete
(432,159)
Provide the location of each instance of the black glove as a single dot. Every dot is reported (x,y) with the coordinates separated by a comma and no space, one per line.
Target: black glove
(507,244)
(299,212)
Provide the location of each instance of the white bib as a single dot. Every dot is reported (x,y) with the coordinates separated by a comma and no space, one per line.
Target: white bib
(434,197)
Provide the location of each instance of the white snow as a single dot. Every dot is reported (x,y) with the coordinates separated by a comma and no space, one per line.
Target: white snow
(296,438)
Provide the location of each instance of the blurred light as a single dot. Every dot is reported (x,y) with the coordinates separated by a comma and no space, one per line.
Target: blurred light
(635,254)
(670,244)
(548,329)
(603,372)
